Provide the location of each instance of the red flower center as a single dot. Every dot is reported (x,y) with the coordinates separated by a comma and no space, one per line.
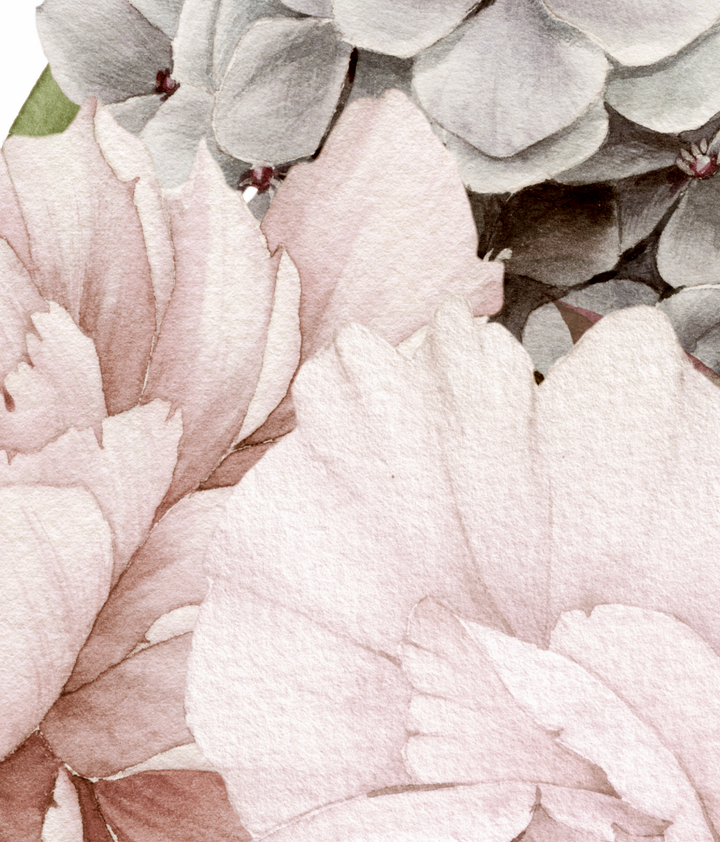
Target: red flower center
(165,84)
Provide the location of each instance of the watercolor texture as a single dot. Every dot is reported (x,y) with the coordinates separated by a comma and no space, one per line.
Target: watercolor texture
(360,421)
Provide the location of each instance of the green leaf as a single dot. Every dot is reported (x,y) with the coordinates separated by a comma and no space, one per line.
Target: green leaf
(46,111)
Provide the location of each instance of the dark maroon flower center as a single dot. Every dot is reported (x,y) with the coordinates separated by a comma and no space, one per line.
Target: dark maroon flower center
(261,178)
(698,161)
(165,84)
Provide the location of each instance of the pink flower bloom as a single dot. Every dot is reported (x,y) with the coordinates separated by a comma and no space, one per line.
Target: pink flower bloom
(454,603)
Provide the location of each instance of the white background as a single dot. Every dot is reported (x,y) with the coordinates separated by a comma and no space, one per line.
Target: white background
(21,58)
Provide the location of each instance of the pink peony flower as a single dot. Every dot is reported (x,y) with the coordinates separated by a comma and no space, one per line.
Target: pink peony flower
(455,604)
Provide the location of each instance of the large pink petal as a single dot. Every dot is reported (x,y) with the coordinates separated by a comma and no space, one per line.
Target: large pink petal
(379,227)
(165,573)
(59,388)
(128,475)
(184,806)
(88,248)
(209,354)
(292,715)
(56,567)
(130,713)
(625,418)
(666,672)
(12,224)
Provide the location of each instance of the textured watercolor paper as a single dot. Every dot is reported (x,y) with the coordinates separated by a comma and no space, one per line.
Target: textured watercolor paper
(360,468)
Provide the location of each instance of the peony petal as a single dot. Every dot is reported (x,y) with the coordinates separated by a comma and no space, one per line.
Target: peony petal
(379,227)
(301,63)
(626,418)
(639,31)
(537,163)
(689,248)
(185,806)
(87,243)
(107,50)
(593,721)
(292,715)
(494,813)
(509,77)
(165,573)
(19,299)
(128,714)
(130,160)
(61,387)
(679,95)
(12,224)
(56,568)
(163,14)
(665,672)
(173,135)
(464,725)
(27,778)
(128,475)
(210,350)
(398,28)
(63,821)
(282,349)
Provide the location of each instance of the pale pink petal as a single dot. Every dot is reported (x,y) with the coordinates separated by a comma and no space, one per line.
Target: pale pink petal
(464,724)
(398,28)
(128,475)
(61,387)
(12,224)
(88,248)
(27,778)
(591,720)
(665,672)
(183,805)
(491,813)
(19,299)
(164,574)
(292,715)
(625,418)
(639,31)
(209,354)
(56,568)
(127,715)
(63,821)
(130,159)
(379,227)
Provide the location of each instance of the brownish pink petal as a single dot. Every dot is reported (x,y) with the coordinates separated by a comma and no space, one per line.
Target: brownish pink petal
(380,227)
(88,248)
(27,778)
(181,805)
(94,827)
(234,467)
(130,713)
(165,573)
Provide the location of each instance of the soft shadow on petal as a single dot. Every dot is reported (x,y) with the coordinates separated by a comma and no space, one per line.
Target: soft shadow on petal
(209,354)
(128,475)
(509,77)
(164,574)
(281,90)
(56,569)
(88,248)
(109,50)
(665,672)
(682,93)
(133,114)
(128,714)
(292,715)
(398,28)
(163,14)
(639,31)
(380,227)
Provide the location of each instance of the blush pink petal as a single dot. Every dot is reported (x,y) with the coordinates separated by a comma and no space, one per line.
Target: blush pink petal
(164,574)
(626,418)
(56,569)
(209,354)
(380,227)
(666,672)
(12,224)
(293,716)
(88,248)
(128,475)
(128,714)
(59,387)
